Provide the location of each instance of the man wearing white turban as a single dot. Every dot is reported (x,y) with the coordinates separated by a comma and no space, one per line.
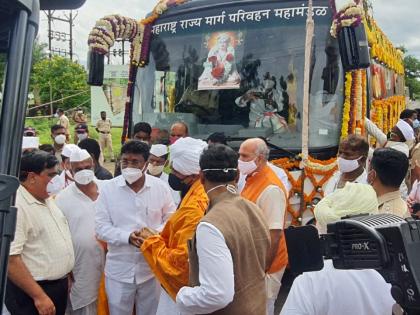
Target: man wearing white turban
(167,252)
(345,292)
(77,201)
(402,139)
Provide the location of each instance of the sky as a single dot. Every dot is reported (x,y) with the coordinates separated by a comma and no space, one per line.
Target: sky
(398,19)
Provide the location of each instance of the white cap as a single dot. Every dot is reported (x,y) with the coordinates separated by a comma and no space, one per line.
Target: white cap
(406,130)
(68,149)
(30,143)
(79,155)
(159,150)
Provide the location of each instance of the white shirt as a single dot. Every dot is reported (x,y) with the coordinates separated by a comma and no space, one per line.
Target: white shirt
(42,238)
(217,283)
(339,292)
(79,210)
(119,212)
(331,186)
(272,202)
(176,196)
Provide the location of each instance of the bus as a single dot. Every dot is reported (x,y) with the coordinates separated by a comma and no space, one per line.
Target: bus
(237,67)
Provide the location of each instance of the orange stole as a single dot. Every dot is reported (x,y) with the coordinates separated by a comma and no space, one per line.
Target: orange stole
(254,186)
(167,253)
(102,297)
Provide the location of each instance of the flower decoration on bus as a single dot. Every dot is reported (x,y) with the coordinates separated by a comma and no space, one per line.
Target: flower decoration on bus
(381,47)
(116,27)
(350,15)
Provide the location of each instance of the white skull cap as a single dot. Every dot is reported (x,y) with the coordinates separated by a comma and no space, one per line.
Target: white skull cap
(79,155)
(68,149)
(159,150)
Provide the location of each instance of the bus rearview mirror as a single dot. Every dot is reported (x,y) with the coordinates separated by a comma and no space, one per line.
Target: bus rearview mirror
(354,48)
(96,66)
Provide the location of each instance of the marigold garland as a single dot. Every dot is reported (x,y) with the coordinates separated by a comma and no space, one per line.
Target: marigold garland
(382,48)
(364,102)
(312,169)
(385,113)
(346,107)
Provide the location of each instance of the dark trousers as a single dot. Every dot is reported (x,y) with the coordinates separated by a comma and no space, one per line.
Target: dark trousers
(19,303)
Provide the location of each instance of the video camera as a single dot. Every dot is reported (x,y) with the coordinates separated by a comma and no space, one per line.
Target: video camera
(384,242)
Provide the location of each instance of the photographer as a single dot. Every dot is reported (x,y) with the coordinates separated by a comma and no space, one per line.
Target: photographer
(345,292)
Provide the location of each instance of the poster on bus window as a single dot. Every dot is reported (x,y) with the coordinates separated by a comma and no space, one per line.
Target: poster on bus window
(221,50)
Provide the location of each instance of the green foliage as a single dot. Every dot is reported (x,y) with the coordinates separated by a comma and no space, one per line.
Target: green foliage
(57,78)
(412,75)
(38,55)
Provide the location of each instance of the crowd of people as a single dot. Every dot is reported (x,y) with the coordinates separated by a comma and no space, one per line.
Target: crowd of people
(186,226)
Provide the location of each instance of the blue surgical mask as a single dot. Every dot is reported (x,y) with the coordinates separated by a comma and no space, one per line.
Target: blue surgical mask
(416,124)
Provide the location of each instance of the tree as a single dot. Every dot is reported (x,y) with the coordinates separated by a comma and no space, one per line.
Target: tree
(38,55)
(412,75)
(59,78)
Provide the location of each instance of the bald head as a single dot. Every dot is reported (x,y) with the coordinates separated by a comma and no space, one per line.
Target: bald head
(178,130)
(256,147)
(256,150)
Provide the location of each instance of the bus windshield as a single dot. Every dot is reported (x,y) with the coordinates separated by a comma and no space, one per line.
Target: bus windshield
(239,69)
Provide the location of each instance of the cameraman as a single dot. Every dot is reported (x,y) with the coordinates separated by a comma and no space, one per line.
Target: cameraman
(344,292)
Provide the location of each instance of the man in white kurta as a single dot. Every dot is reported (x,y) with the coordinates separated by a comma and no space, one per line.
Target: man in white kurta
(59,182)
(128,203)
(345,292)
(77,202)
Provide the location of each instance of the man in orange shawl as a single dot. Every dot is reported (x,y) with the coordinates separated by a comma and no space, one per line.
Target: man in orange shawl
(167,252)
(265,189)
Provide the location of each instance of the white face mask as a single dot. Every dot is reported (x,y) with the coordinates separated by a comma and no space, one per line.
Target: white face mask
(131,175)
(54,186)
(60,139)
(347,166)
(155,170)
(247,168)
(84,177)
(82,136)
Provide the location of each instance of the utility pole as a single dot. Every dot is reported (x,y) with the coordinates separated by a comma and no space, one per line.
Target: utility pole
(49,14)
(55,36)
(71,35)
(118,52)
